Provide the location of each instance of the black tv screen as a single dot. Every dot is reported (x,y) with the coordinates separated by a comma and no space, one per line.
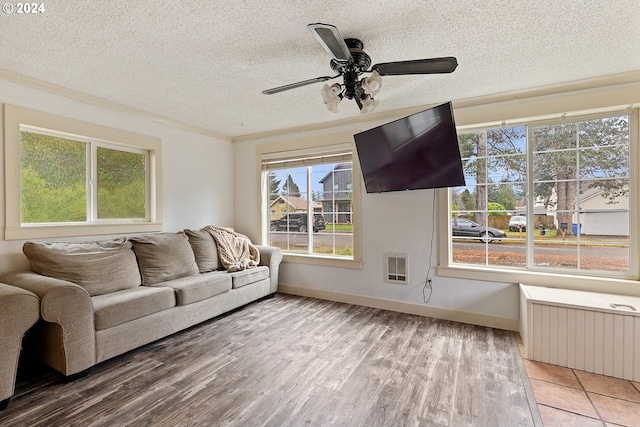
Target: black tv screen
(415,152)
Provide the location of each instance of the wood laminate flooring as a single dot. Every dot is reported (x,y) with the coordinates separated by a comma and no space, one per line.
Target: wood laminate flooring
(295,361)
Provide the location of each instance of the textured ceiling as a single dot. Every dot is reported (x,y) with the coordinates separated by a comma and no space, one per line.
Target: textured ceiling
(205,63)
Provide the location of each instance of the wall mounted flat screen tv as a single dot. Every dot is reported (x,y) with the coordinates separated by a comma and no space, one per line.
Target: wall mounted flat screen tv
(416,152)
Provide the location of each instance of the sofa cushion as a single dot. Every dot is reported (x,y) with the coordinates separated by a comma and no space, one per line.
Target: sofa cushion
(204,249)
(124,306)
(195,288)
(164,256)
(100,266)
(251,275)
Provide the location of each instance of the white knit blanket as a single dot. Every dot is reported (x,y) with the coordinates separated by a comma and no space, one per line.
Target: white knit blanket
(235,250)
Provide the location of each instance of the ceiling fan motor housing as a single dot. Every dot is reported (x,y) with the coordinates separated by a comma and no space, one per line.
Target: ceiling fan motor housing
(351,70)
(361,61)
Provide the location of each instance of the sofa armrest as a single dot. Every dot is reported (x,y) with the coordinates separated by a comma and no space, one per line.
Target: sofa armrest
(67,335)
(271,257)
(19,310)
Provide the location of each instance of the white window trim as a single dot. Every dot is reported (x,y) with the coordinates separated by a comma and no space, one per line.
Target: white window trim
(580,102)
(305,147)
(15,116)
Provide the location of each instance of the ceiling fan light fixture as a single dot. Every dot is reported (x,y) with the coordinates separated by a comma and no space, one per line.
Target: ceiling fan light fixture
(368,104)
(372,84)
(331,96)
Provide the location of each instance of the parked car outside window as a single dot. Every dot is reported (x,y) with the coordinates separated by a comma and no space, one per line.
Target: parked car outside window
(517,221)
(462,227)
(297,222)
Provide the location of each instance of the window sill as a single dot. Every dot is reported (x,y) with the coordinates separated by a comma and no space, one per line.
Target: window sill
(326,261)
(555,280)
(49,231)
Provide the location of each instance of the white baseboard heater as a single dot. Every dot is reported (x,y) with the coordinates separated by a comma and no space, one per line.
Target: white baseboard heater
(589,331)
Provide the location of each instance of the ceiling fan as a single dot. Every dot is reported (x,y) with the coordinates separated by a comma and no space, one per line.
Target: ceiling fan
(350,61)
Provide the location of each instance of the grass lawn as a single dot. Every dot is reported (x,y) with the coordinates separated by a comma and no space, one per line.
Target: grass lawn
(339,251)
(345,228)
(553,236)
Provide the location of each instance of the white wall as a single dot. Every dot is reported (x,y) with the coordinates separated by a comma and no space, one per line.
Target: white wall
(391,222)
(404,222)
(197,189)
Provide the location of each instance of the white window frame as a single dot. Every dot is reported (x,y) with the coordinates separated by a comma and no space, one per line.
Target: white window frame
(583,280)
(311,147)
(18,118)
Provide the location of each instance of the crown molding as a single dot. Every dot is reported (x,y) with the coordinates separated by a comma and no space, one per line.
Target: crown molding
(595,84)
(103,103)
(631,78)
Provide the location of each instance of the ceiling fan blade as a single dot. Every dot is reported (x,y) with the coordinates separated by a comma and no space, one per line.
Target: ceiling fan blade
(330,38)
(420,66)
(298,84)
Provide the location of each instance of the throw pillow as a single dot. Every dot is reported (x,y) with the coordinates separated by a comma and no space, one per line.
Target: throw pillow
(100,267)
(204,249)
(164,256)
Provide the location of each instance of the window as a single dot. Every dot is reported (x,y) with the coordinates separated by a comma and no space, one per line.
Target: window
(64,180)
(310,204)
(548,196)
(66,177)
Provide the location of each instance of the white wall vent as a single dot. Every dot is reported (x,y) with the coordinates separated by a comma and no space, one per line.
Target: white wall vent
(396,268)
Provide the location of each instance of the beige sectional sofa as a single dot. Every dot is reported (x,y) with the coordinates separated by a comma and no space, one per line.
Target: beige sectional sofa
(101,299)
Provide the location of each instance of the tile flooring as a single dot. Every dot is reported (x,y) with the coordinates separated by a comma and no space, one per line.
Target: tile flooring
(568,397)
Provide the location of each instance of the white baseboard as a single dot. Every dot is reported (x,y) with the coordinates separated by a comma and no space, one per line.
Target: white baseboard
(487,320)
